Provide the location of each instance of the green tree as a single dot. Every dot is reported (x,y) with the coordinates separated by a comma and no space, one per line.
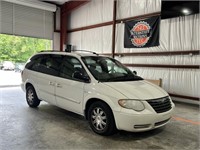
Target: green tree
(19,49)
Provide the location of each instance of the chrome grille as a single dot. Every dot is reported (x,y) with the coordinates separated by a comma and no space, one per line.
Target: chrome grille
(160,105)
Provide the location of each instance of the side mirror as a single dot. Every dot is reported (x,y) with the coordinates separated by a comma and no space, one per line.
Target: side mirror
(80,76)
(135,72)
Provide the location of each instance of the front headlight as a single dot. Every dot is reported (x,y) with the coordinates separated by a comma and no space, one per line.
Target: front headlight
(131,104)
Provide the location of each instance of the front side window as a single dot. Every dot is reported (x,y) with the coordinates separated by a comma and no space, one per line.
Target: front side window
(105,69)
(70,66)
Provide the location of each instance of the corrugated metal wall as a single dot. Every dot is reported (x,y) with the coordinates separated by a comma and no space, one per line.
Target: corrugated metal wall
(176,34)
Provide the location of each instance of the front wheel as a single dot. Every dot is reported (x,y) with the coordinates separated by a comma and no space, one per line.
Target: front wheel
(31,97)
(101,119)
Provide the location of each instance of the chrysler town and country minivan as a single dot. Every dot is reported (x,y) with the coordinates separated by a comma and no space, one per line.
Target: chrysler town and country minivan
(101,89)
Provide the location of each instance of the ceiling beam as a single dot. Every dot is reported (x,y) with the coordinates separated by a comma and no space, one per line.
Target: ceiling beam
(72,5)
(67,8)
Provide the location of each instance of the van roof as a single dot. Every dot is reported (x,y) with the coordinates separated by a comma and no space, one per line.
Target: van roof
(79,53)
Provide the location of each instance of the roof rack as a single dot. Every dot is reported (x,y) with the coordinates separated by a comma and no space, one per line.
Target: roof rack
(85,51)
(51,51)
(70,51)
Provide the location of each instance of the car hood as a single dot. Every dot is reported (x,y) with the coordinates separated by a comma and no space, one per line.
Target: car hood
(138,89)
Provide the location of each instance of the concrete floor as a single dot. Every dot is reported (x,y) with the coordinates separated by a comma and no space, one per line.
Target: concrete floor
(9,78)
(49,127)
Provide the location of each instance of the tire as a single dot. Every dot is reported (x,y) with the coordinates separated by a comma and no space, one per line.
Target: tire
(31,97)
(101,119)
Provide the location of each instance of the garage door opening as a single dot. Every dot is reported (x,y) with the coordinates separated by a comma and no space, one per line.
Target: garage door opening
(14,52)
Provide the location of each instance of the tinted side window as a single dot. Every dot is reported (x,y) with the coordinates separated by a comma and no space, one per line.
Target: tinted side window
(34,62)
(48,64)
(69,66)
(53,64)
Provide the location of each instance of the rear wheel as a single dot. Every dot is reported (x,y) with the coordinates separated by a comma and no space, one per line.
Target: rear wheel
(101,119)
(31,97)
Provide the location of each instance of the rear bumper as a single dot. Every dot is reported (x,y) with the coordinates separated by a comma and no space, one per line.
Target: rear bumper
(141,122)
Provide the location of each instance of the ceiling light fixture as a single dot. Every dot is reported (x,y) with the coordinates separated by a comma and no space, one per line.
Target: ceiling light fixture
(186,11)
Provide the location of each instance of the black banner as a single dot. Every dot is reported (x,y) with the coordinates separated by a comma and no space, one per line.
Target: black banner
(142,33)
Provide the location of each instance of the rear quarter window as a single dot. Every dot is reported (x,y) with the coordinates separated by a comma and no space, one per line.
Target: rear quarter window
(33,62)
(47,64)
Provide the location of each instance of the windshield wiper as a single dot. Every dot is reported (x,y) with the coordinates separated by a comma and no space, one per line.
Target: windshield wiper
(124,78)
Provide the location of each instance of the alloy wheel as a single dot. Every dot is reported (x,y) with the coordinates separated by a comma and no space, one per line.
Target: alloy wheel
(99,119)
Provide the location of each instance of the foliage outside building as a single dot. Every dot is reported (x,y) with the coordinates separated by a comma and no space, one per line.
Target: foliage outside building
(19,49)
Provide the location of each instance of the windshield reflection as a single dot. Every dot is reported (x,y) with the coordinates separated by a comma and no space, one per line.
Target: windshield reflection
(106,69)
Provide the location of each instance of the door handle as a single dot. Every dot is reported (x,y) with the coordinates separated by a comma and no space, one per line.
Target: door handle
(51,83)
(58,85)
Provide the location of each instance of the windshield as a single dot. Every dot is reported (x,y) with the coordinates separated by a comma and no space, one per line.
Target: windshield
(106,69)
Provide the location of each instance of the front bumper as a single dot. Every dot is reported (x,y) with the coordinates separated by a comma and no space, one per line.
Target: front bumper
(139,122)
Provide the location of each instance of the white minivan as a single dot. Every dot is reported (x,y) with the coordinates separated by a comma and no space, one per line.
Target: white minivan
(108,94)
